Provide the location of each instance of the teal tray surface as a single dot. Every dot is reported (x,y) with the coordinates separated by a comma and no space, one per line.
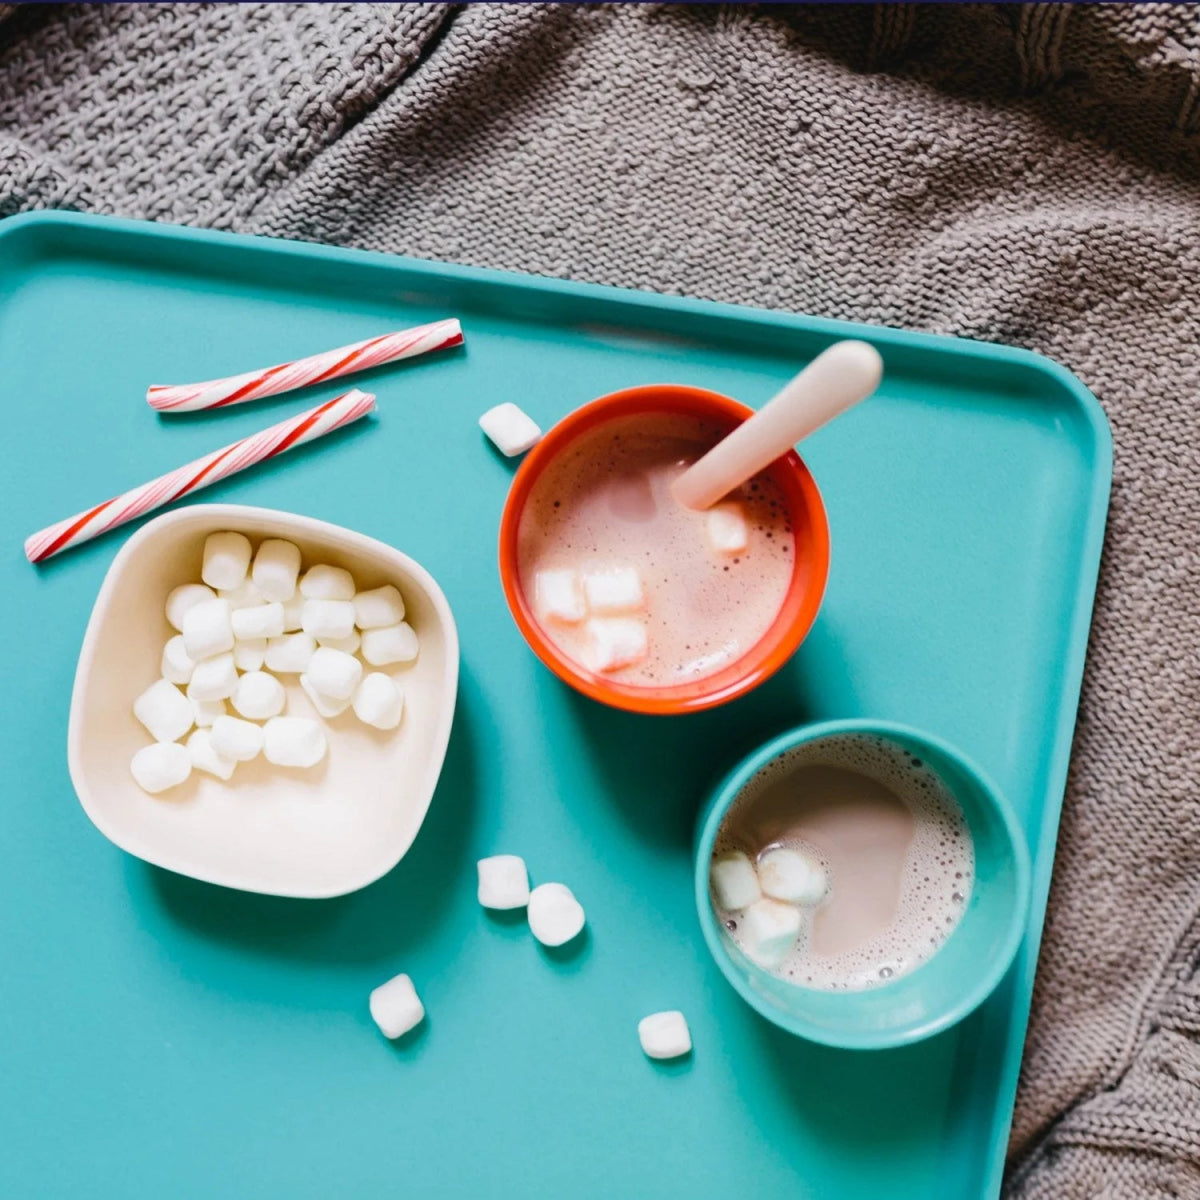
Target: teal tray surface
(160,1036)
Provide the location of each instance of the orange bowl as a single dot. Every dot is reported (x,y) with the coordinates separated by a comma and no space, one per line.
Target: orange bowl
(810,530)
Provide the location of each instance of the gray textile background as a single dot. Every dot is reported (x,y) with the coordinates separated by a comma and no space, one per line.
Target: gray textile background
(1020,173)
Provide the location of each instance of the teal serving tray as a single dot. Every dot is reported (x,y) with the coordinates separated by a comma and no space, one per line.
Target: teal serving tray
(163,1037)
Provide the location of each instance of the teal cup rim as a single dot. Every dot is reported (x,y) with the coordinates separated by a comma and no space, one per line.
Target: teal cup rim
(712,816)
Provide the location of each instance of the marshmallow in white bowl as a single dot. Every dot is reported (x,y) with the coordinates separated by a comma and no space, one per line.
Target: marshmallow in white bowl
(665,1035)
(258,696)
(769,930)
(160,766)
(503,881)
(213,679)
(326,706)
(616,590)
(790,876)
(334,673)
(183,598)
(290,654)
(205,757)
(226,560)
(237,739)
(165,711)
(555,916)
(558,596)
(293,613)
(249,654)
(726,527)
(378,607)
(257,621)
(614,642)
(326,619)
(347,645)
(245,595)
(391,644)
(207,629)
(396,1008)
(511,430)
(734,881)
(276,566)
(324,582)
(176,665)
(378,701)
(293,742)
(206,712)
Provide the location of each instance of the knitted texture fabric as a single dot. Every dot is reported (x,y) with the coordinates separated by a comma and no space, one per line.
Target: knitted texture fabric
(1025,174)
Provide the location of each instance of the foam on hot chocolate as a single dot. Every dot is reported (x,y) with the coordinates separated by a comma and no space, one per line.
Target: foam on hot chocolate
(603,509)
(894,845)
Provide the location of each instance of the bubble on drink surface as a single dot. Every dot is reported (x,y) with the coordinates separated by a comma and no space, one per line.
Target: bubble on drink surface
(938,872)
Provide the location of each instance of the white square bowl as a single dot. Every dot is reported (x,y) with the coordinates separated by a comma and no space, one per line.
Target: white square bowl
(322,832)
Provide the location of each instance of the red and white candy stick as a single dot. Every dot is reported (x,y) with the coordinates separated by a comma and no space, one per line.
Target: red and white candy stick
(84,526)
(317,368)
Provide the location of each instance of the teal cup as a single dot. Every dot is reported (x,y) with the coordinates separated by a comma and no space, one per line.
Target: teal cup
(959,976)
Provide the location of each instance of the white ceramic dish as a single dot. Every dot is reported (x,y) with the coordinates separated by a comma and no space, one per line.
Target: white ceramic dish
(321,832)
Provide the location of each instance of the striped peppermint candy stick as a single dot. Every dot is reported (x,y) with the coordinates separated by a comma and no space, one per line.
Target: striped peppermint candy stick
(253,385)
(84,526)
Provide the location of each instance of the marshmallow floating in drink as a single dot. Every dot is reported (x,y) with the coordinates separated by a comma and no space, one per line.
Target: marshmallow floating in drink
(257,616)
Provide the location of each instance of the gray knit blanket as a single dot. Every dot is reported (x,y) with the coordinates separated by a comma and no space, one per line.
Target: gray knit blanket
(1020,173)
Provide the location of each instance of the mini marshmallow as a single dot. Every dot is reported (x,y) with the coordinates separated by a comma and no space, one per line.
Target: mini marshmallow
(333,673)
(293,610)
(378,701)
(164,710)
(325,707)
(206,712)
(769,930)
(726,527)
(205,758)
(176,665)
(327,583)
(258,621)
(503,881)
(347,645)
(293,742)
(161,766)
(213,679)
(226,560)
(391,644)
(259,696)
(276,566)
(613,591)
(396,1008)
(328,618)
(207,629)
(614,642)
(290,654)
(379,607)
(665,1035)
(237,739)
(184,598)
(555,916)
(249,654)
(559,596)
(791,876)
(245,595)
(734,881)
(510,430)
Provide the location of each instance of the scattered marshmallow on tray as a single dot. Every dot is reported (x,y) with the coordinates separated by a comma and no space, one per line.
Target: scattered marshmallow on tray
(665,1035)
(396,1008)
(555,916)
(160,766)
(265,618)
(503,881)
(510,430)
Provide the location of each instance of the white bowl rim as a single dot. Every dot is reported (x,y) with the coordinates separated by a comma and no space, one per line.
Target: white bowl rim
(228,516)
